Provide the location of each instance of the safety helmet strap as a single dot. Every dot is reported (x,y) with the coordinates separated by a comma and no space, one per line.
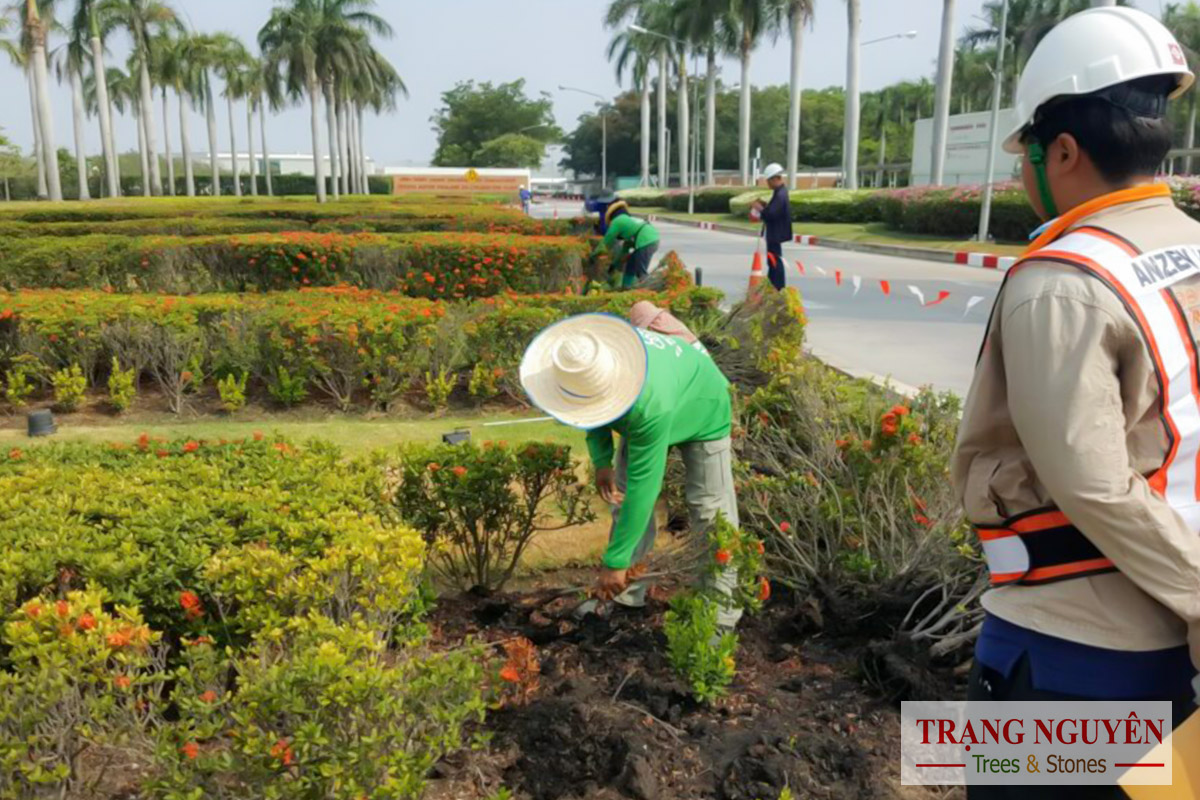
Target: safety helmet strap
(1036,154)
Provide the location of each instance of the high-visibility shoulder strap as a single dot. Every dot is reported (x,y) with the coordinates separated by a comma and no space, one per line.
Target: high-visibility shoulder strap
(1045,546)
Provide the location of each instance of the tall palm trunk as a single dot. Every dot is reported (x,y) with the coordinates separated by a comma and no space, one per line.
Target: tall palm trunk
(233,153)
(185,144)
(645,142)
(35,120)
(850,145)
(107,140)
(710,119)
(314,98)
(362,150)
(147,106)
(796,93)
(352,143)
(345,150)
(77,119)
(945,79)
(41,83)
(250,146)
(143,155)
(262,124)
(167,143)
(210,116)
(683,124)
(744,114)
(664,175)
(331,123)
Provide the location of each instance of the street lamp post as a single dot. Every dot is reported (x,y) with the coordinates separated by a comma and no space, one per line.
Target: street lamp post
(985,213)
(850,143)
(604,108)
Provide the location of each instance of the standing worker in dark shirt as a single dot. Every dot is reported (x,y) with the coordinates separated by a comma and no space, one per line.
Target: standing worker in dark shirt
(777,224)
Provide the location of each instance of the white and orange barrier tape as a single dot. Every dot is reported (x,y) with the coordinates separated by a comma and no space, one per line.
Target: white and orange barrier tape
(841,278)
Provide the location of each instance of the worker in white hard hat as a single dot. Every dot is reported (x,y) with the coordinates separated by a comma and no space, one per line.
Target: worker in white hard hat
(777,223)
(1078,459)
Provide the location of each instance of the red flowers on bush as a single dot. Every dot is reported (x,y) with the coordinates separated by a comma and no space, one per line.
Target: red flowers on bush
(192,607)
(282,752)
(723,556)
(63,608)
(785,527)
(209,697)
(122,682)
(191,447)
(86,622)
(191,750)
(459,471)
(764,590)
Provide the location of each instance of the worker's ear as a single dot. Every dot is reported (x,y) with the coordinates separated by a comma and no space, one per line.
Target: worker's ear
(1064,156)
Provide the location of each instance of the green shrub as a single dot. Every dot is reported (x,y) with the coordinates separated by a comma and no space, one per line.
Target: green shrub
(710,200)
(479,508)
(350,346)
(122,387)
(954,213)
(70,385)
(697,648)
(644,197)
(739,205)
(232,391)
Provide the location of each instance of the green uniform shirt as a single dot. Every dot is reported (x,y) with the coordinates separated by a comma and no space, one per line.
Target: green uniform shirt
(635,233)
(686,399)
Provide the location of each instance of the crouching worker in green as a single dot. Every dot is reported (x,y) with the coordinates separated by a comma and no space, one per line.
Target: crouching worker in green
(637,237)
(599,373)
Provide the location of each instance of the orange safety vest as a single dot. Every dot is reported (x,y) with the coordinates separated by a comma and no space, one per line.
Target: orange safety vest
(1043,546)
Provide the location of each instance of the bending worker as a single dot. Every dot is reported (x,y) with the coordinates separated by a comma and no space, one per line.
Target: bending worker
(599,373)
(635,239)
(1077,455)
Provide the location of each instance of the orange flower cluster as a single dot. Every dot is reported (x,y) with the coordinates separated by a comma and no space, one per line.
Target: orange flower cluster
(192,607)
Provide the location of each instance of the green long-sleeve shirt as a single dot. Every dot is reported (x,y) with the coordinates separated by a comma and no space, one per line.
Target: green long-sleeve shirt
(686,399)
(633,233)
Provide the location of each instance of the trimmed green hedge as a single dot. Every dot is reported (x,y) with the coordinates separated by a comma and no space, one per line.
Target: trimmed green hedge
(712,200)
(421,264)
(954,213)
(644,198)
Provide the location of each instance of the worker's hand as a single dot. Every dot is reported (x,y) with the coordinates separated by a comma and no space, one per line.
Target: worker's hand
(606,484)
(758,204)
(610,583)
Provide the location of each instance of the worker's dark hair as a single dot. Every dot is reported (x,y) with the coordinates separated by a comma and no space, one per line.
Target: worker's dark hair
(1123,128)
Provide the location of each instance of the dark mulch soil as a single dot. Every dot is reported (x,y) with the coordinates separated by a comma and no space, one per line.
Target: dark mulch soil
(609,720)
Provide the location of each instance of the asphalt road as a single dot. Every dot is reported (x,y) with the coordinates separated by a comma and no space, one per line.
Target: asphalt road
(865,333)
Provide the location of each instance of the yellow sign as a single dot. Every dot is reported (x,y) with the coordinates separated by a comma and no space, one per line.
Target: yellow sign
(472,175)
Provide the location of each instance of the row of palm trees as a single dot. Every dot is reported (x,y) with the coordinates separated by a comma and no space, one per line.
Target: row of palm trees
(661,34)
(321,51)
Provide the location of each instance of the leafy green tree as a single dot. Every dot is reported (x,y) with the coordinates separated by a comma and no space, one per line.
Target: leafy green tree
(511,150)
(473,114)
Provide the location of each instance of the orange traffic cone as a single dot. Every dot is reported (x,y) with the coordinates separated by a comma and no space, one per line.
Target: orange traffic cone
(756,270)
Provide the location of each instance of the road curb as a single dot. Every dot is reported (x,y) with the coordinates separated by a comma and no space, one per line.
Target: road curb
(960,257)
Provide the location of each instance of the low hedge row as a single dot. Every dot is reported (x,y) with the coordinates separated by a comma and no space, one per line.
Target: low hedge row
(954,212)
(712,200)
(420,265)
(346,346)
(239,619)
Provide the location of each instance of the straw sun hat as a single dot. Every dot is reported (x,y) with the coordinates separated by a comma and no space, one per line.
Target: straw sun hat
(586,371)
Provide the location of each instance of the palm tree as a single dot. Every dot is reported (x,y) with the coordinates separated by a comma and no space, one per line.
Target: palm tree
(205,53)
(141,18)
(635,50)
(850,148)
(265,92)
(251,92)
(799,13)
(945,78)
(375,85)
(88,24)
(69,62)
(709,28)
(17,51)
(753,18)
(300,42)
(36,27)
(657,16)
(231,60)
(178,71)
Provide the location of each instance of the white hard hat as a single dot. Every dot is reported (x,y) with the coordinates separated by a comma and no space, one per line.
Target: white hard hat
(1093,50)
(772,171)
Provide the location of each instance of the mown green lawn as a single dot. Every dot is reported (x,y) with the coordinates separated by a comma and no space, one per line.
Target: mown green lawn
(354,435)
(870,232)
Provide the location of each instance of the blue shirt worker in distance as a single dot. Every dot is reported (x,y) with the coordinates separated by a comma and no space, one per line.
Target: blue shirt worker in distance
(526,198)
(777,224)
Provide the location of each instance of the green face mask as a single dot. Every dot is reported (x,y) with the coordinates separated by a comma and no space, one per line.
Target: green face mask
(1037,157)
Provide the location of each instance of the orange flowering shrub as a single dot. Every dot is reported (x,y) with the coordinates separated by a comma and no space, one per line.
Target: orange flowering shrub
(348,345)
(434,265)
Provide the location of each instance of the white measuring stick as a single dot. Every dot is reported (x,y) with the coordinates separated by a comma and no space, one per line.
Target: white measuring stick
(516,422)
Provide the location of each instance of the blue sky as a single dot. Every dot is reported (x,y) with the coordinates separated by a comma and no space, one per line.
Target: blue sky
(547,42)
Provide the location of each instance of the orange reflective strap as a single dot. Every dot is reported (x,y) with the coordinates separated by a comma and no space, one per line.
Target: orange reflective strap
(1064,222)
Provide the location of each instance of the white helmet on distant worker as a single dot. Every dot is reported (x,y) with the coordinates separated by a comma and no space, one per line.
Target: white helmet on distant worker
(1093,50)
(772,171)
